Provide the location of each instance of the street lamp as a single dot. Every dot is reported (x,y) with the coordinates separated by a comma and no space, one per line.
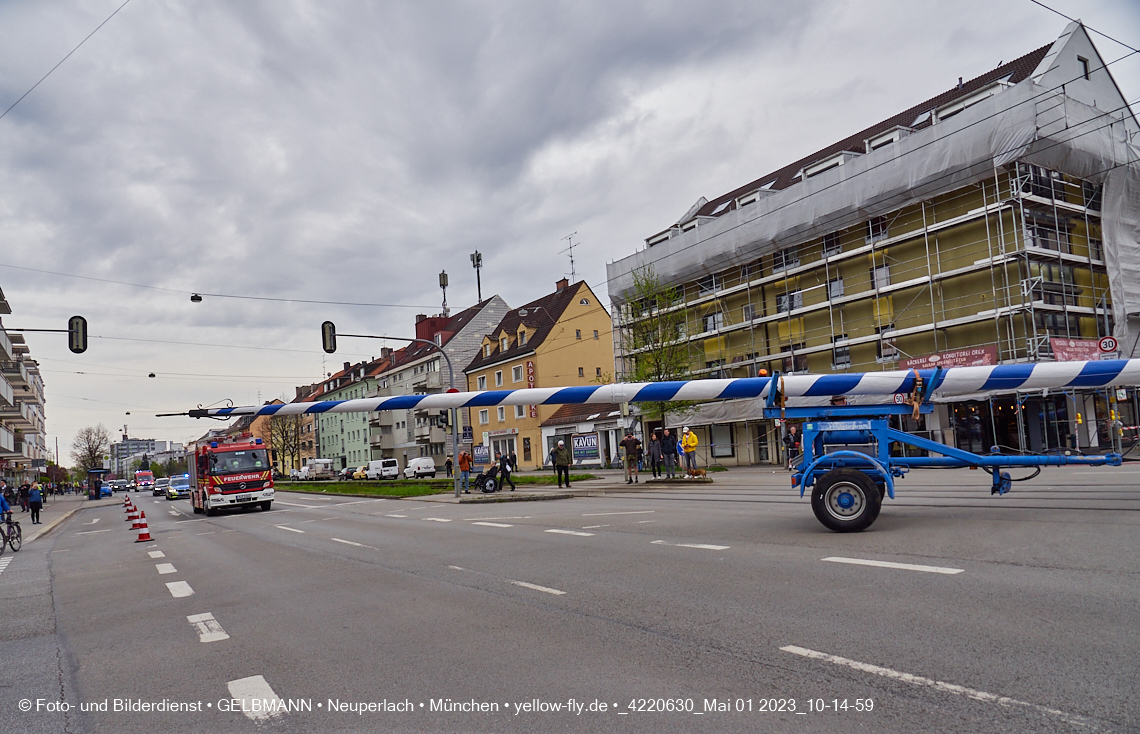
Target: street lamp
(328,339)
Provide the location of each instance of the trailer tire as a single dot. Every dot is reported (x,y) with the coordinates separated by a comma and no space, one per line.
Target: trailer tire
(846,500)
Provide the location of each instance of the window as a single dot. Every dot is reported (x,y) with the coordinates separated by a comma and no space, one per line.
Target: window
(581,372)
(516,373)
(526,449)
(481,382)
(715,374)
(438,339)
(682,330)
(597,372)
(831,244)
(520,411)
(834,288)
(503,343)
(502,413)
(746,313)
(486,351)
(784,259)
(498,378)
(577,333)
(721,441)
(708,284)
(786,302)
(876,229)
(584,302)
(522,338)
(880,276)
(595,333)
(1092,195)
(1048,236)
(840,356)
(1096,249)
(484,417)
(797,362)
(714,321)
(1084,63)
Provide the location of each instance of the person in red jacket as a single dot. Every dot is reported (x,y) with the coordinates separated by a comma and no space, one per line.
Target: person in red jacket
(465,471)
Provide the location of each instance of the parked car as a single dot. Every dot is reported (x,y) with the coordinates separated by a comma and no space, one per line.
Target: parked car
(106,490)
(423,466)
(160,486)
(360,473)
(383,469)
(178,487)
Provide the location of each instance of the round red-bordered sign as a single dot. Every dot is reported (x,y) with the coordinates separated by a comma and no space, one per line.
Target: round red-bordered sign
(1107,344)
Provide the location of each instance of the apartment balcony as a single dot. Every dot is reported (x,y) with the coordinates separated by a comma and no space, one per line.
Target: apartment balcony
(426,381)
(383,418)
(15,372)
(7,442)
(430,434)
(382,441)
(5,345)
(22,416)
(7,394)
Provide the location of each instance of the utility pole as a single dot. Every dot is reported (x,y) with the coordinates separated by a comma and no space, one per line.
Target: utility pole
(477,263)
(570,249)
(443,286)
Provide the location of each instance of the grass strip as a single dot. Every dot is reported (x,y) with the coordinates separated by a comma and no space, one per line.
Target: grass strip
(405,487)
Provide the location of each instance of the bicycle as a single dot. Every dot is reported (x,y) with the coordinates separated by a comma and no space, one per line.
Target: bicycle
(11,534)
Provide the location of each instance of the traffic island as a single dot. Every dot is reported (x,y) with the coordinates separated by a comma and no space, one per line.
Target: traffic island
(680,481)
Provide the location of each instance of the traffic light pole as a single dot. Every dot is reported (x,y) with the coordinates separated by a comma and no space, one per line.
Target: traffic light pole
(451,380)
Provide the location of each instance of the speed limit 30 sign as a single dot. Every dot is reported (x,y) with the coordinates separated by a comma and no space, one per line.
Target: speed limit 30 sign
(1107,344)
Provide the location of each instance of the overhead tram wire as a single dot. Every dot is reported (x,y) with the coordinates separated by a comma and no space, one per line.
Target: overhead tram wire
(1034,99)
(1074,20)
(213,295)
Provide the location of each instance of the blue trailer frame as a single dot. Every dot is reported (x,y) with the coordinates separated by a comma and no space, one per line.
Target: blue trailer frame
(848,486)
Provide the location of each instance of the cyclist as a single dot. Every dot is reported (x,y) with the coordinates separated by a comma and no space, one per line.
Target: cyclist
(5,517)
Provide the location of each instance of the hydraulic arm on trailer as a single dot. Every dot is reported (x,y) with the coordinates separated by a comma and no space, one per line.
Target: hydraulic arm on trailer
(848,485)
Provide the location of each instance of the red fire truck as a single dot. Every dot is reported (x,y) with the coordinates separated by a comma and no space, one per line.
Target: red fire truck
(234,472)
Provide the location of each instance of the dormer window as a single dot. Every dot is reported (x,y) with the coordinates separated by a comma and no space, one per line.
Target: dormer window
(438,340)
(947,111)
(657,239)
(747,199)
(503,344)
(827,164)
(1084,64)
(882,140)
(522,338)
(486,350)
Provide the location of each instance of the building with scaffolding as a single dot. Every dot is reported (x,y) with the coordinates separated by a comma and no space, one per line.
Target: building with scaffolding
(996,223)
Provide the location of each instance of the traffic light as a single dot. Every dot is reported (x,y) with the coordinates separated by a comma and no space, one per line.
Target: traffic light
(328,336)
(444,415)
(77,334)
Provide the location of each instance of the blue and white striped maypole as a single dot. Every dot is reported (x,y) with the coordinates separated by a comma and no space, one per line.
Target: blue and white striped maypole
(948,383)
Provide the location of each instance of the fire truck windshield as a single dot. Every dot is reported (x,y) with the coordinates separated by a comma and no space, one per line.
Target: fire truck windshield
(235,462)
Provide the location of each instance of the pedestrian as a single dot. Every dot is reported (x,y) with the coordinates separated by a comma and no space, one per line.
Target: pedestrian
(669,453)
(35,503)
(504,469)
(447,466)
(632,446)
(561,458)
(689,445)
(465,471)
(656,456)
(514,461)
(792,445)
(24,490)
(6,491)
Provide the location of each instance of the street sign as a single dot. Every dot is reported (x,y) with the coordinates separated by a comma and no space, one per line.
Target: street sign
(481,454)
(1107,344)
(468,434)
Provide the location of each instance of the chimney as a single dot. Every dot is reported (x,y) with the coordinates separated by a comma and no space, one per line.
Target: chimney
(560,285)
(385,352)
(420,317)
(347,366)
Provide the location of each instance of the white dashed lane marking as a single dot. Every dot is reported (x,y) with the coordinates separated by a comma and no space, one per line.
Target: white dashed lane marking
(349,542)
(569,532)
(92,522)
(493,524)
(633,512)
(931,683)
(889,564)
(156,554)
(436,519)
(292,530)
(208,628)
(179,588)
(165,568)
(253,692)
(92,532)
(536,587)
(702,546)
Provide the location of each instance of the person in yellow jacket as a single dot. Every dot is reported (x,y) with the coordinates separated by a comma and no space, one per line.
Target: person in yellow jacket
(689,446)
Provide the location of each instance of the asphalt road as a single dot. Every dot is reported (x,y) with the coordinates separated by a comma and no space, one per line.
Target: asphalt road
(1011,614)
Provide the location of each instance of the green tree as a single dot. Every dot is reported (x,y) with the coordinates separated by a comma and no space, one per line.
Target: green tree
(653,337)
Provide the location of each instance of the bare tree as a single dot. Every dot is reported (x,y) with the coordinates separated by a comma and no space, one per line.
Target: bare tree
(282,434)
(89,447)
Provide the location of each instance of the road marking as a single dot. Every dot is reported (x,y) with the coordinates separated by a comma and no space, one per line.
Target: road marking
(255,695)
(92,522)
(179,588)
(568,532)
(536,587)
(457,568)
(642,522)
(174,512)
(294,504)
(165,568)
(61,550)
(179,522)
(702,546)
(591,527)
(293,530)
(4,563)
(637,512)
(348,542)
(357,502)
(156,554)
(889,564)
(436,519)
(929,682)
(493,524)
(210,532)
(302,522)
(92,532)
(208,628)
(512,517)
(329,518)
(395,516)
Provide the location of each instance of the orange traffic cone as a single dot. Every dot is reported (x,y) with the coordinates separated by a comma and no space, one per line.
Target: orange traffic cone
(133,515)
(136,524)
(144,533)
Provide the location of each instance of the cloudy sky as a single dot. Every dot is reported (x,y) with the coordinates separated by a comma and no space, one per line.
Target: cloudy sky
(337,150)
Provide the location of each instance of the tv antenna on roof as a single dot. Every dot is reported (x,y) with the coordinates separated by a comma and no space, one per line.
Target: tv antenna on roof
(570,249)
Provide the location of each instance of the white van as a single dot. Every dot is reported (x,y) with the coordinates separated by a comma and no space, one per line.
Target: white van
(423,466)
(383,469)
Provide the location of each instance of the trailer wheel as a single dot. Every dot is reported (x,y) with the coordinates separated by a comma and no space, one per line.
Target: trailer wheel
(845,500)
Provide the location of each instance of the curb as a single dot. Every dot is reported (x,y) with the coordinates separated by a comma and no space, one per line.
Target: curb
(52,524)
